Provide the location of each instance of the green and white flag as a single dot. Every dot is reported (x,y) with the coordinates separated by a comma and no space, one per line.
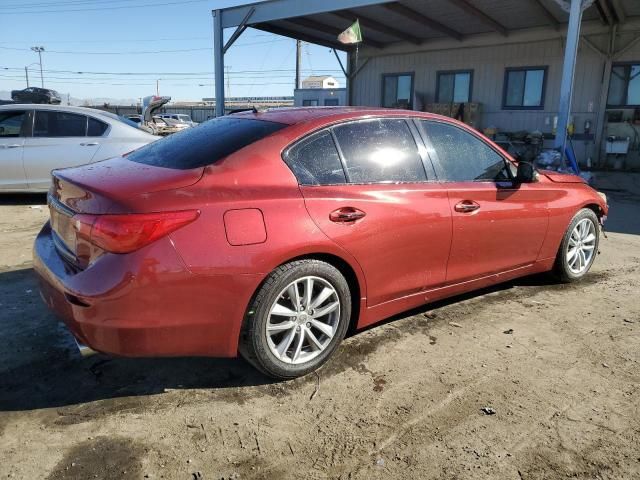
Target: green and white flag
(351,35)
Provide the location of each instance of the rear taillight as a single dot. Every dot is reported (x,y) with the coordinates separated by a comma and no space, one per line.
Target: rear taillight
(129,232)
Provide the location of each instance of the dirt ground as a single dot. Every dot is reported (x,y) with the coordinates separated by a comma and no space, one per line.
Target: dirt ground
(559,365)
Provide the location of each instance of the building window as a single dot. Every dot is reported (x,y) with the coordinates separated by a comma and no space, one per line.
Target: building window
(397,90)
(454,87)
(524,88)
(331,102)
(310,103)
(624,88)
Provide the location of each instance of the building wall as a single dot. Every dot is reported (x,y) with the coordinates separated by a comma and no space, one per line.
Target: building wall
(320,94)
(488,64)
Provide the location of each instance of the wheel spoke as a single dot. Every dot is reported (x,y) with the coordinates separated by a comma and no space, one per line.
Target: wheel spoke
(575,259)
(294,295)
(322,296)
(284,345)
(308,291)
(571,253)
(326,309)
(283,311)
(588,247)
(274,328)
(313,340)
(589,238)
(581,261)
(323,327)
(572,241)
(298,347)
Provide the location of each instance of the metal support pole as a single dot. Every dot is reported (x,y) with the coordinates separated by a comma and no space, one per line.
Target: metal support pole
(218,55)
(26,74)
(604,94)
(298,62)
(40,58)
(568,72)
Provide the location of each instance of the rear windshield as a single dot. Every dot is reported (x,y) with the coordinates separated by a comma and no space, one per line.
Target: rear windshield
(205,144)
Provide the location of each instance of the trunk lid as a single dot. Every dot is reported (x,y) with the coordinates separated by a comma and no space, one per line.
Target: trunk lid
(102,188)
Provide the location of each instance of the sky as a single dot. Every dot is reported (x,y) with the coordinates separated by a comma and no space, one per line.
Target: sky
(123,46)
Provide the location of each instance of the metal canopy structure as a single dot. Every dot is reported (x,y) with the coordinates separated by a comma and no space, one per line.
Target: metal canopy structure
(416,23)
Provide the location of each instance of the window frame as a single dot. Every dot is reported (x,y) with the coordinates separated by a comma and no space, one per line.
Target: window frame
(435,158)
(543,94)
(411,94)
(626,104)
(427,163)
(440,73)
(86,123)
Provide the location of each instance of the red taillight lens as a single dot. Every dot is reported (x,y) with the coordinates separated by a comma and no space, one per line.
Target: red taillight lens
(130,232)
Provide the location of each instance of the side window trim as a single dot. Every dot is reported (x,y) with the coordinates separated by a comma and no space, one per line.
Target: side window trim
(423,150)
(436,159)
(340,155)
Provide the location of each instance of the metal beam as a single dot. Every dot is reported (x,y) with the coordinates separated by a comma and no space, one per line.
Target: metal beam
(377,26)
(604,94)
(466,7)
(593,47)
(218,56)
(568,72)
(606,12)
(267,27)
(415,16)
(344,70)
(241,28)
(283,9)
(547,13)
(618,11)
(626,47)
(324,28)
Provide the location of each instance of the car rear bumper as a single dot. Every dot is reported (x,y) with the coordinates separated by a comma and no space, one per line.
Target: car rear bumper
(144,304)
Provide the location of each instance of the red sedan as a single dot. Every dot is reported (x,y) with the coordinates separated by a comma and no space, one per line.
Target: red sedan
(270,234)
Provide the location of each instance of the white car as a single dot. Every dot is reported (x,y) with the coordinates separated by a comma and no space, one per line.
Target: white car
(179,117)
(35,139)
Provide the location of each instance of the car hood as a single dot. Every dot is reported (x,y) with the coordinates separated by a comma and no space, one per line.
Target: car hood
(559,177)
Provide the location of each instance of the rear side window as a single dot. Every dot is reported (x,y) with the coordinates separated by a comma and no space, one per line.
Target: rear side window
(205,144)
(11,123)
(462,156)
(59,124)
(315,161)
(380,150)
(96,128)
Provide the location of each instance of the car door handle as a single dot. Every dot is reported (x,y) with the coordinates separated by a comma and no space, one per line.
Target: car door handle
(89,144)
(466,206)
(346,215)
(12,146)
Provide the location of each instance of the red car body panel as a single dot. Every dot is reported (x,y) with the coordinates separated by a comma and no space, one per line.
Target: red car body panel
(188,292)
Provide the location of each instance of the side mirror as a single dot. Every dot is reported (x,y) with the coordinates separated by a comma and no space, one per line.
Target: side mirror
(526,173)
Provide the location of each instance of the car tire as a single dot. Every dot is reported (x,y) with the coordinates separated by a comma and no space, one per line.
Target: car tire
(284,343)
(579,247)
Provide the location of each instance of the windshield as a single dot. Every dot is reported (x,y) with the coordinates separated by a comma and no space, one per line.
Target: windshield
(205,144)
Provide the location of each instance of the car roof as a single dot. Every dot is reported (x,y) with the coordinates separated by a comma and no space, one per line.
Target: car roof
(44,106)
(296,115)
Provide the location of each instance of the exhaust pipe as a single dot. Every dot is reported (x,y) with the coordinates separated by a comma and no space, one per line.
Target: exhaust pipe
(84,350)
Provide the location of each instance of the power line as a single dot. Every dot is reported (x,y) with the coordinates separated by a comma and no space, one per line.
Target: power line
(210,72)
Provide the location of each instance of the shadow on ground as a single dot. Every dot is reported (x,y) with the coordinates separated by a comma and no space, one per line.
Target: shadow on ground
(41,368)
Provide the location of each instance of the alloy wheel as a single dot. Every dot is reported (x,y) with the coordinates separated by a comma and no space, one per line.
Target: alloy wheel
(581,246)
(303,320)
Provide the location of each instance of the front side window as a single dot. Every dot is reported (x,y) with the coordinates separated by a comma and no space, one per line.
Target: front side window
(524,88)
(205,144)
(315,161)
(59,124)
(397,90)
(380,151)
(463,157)
(454,87)
(624,88)
(11,123)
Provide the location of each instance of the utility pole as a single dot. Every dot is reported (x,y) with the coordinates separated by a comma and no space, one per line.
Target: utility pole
(39,50)
(227,67)
(157,87)
(26,74)
(298,62)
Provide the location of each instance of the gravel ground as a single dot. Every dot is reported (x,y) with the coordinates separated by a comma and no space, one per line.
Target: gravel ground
(556,369)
